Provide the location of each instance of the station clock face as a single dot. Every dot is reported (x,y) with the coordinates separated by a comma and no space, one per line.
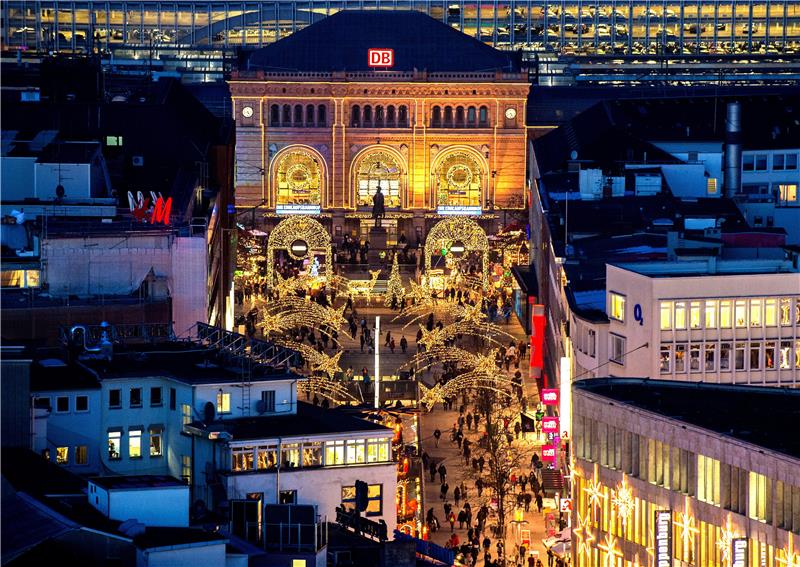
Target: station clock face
(247,111)
(511,113)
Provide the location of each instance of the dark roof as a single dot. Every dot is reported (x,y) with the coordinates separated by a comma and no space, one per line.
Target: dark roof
(52,374)
(309,420)
(340,43)
(732,411)
(130,482)
(163,537)
(69,152)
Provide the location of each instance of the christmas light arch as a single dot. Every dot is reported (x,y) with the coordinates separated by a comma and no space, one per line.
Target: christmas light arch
(299,229)
(463,230)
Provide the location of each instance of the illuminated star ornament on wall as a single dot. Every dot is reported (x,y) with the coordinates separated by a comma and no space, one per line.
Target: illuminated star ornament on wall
(725,541)
(688,529)
(622,500)
(609,545)
(789,557)
(594,490)
(584,536)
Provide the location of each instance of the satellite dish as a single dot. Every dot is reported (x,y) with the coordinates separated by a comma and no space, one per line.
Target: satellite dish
(573,155)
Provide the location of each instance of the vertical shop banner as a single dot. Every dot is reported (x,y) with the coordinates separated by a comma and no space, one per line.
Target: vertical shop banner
(663,538)
(739,552)
(537,337)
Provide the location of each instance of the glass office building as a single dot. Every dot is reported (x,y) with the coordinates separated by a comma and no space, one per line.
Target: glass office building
(560,27)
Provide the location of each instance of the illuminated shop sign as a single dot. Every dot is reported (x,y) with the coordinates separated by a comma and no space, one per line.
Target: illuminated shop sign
(549,453)
(550,424)
(459,210)
(381,57)
(297,209)
(550,397)
(663,538)
(739,552)
(142,211)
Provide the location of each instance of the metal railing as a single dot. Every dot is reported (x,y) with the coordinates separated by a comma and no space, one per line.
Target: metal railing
(238,348)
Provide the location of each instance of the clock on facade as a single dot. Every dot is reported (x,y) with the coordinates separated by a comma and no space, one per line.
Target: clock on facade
(247,111)
(511,113)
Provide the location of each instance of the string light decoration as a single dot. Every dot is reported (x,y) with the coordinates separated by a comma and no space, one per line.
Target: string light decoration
(689,530)
(789,557)
(609,545)
(299,228)
(594,490)
(328,365)
(726,540)
(622,500)
(584,536)
(394,287)
(458,229)
(272,323)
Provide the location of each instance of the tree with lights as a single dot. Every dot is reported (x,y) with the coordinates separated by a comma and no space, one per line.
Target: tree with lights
(394,287)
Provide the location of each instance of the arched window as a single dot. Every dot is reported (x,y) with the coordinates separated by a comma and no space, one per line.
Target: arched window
(448,116)
(274,115)
(460,117)
(367,116)
(459,179)
(483,117)
(355,116)
(391,119)
(286,119)
(322,116)
(298,114)
(379,168)
(298,178)
(403,116)
(309,115)
(436,117)
(379,119)
(472,118)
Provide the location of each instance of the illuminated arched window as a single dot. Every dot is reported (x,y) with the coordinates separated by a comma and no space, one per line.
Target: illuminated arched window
(459,180)
(299,178)
(355,116)
(379,168)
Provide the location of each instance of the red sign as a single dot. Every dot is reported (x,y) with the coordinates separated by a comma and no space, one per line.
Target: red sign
(550,424)
(550,397)
(548,453)
(381,57)
(161,210)
(537,337)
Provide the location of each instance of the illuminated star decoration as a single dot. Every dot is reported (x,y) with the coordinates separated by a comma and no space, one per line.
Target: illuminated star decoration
(725,541)
(583,533)
(609,545)
(623,502)
(272,323)
(689,530)
(789,558)
(329,365)
(433,338)
(594,490)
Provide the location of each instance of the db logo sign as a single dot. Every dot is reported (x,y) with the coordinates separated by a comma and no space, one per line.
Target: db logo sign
(381,57)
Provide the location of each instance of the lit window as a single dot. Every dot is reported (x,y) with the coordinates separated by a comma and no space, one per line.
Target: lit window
(725,314)
(114,445)
(223,402)
(708,480)
(312,454)
(377,450)
(62,455)
(769,355)
(290,455)
(770,312)
(711,186)
(81,455)
(617,307)
(383,169)
(785,355)
(334,453)
(356,451)
(710,357)
(135,443)
(694,315)
(711,314)
(724,356)
(186,413)
(242,459)
(666,315)
(680,358)
(19,278)
(755,356)
(266,457)
(755,312)
(797,354)
(739,356)
(459,180)
(186,468)
(680,314)
(298,178)
(666,359)
(155,443)
(741,313)
(113,140)
(374,499)
(787,192)
(694,358)
(759,496)
(617,349)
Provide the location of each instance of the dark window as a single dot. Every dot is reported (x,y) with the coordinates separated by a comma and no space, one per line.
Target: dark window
(268,401)
(472,117)
(403,116)
(81,403)
(155,396)
(367,116)
(274,115)
(391,119)
(448,116)
(355,116)
(172,399)
(379,117)
(136,397)
(288,497)
(115,398)
(436,117)
(322,118)
(309,115)
(460,117)
(483,117)
(298,114)
(62,404)
(286,119)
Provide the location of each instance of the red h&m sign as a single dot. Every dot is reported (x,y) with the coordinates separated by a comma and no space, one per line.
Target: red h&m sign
(381,57)
(549,453)
(550,397)
(550,424)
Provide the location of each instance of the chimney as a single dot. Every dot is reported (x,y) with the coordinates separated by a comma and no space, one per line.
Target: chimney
(733,150)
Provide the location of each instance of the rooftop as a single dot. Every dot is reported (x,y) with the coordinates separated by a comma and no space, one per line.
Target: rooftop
(132,482)
(166,537)
(53,375)
(340,43)
(714,267)
(737,412)
(309,420)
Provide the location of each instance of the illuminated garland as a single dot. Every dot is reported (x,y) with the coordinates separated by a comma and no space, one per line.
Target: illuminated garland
(458,229)
(298,228)
(394,287)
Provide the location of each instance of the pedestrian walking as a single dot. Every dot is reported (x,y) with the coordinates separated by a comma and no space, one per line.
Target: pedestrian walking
(539,502)
(403,344)
(457,495)
(477,420)
(433,471)
(469,421)
(481,462)
(479,486)
(437,434)
(443,490)
(462,517)
(528,499)
(442,472)
(388,338)
(452,519)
